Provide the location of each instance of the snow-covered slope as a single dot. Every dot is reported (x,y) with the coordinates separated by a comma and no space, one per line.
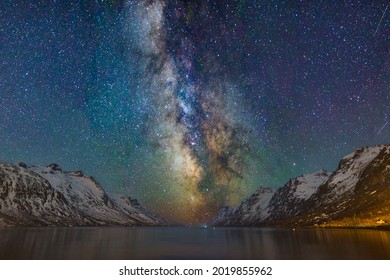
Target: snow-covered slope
(250,211)
(256,207)
(357,193)
(358,189)
(46,195)
(266,204)
(287,200)
(132,208)
(224,217)
(350,169)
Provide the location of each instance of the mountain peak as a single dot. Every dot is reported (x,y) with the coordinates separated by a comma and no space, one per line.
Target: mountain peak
(45,195)
(355,194)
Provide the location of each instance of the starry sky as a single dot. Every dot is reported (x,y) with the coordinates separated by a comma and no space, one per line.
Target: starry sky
(192,105)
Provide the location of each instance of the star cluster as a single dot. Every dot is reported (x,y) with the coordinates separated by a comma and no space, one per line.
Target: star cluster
(192,105)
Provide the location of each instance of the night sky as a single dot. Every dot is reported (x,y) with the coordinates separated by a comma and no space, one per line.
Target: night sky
(192,105)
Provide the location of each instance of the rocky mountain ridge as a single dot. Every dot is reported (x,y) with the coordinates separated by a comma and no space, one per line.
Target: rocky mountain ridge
(48,196)
(357,194)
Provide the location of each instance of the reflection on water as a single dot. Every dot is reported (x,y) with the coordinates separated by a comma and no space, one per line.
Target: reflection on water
(192,243)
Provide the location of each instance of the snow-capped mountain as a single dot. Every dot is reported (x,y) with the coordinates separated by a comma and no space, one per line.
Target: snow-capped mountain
(357,193)
(46,195)
(225,216)
(287,200)
(268,204)
(252,210)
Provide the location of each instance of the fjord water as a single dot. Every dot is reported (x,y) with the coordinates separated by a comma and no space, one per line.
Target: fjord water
(192,243)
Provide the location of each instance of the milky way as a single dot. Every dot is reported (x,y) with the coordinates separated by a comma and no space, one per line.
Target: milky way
(197,122)
(192,105)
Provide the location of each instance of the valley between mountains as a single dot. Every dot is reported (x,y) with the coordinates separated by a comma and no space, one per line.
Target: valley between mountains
(356,194)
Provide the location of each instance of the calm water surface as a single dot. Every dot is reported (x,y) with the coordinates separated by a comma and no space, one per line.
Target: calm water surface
(192,243)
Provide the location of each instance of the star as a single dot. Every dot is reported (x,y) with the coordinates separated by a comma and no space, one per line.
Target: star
(192,105)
